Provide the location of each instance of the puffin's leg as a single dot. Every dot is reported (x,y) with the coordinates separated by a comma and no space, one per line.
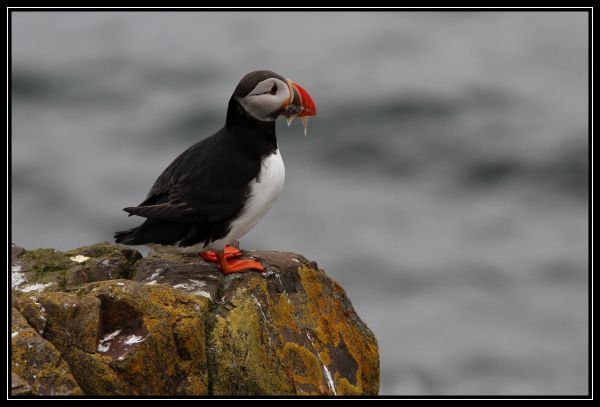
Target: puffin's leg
(234,266)
(229,252)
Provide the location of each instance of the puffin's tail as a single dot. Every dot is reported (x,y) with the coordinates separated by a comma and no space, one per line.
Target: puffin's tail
(127,236)
(154,231)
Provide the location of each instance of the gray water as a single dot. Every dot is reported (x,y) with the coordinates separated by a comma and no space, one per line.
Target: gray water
(443,184)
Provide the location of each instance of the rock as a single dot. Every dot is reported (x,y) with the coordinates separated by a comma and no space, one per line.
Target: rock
(173,324)
(19,387)
(37,363)
(43,270)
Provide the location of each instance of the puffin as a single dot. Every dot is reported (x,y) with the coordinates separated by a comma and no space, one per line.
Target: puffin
(218,189)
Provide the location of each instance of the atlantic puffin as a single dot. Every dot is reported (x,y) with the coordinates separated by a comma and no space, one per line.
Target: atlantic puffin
(217,190)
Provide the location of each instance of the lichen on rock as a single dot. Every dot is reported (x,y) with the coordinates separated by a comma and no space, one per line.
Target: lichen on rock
(172,324)
(43,270)
(37,363)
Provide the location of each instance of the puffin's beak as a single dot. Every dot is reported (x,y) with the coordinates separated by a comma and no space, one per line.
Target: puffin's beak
(299,104)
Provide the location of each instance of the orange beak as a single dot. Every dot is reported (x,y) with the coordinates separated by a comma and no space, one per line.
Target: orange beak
(300,103)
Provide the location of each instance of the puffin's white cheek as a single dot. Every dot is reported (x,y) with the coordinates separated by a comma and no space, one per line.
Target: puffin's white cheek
(261,106)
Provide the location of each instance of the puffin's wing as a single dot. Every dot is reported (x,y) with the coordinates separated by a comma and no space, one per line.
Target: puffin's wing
(198,186)
(194,204)
(166,211)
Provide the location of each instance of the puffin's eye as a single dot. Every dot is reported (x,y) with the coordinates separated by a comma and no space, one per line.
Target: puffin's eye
(273,89)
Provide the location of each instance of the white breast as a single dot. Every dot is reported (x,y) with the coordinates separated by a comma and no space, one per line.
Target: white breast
(263,192)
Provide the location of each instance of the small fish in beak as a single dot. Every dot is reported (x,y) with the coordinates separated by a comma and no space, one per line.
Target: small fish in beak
(305,124)
(300,104)
(304,120)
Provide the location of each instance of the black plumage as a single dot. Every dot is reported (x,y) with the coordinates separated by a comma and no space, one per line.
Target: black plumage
(204,189)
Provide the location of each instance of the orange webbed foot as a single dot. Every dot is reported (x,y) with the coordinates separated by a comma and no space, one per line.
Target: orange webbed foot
(228,266)
(229,252)
(236,266)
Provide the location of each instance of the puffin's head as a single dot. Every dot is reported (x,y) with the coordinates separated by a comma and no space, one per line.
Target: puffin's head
(265,95)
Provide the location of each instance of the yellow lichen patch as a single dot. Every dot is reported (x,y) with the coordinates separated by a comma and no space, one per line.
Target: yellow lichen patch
(93,374)
(286,313)
(194,386)
(318,306)
(162,295)
(190,341)
(306,368)
(345,388)
(278,318)
(136,364)
(151,365)
(324,356)
(243,349)
(38,362)
(71,320)
(327,313)
(257,283)
(172,350)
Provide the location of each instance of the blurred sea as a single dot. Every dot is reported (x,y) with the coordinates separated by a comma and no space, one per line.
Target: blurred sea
(443,184)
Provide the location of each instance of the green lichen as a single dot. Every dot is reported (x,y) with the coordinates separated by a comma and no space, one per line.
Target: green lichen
(62,280)
(98,250)
(46,261)
(243,359)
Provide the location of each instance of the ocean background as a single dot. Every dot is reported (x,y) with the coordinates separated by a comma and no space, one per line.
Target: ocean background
(444,183)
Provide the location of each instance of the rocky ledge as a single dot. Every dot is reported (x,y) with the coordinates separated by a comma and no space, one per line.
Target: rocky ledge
(102,320)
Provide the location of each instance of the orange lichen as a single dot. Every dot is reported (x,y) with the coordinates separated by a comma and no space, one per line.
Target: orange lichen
(285,311)
(344,387)
(306,367)
(332,325)
(324,356)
